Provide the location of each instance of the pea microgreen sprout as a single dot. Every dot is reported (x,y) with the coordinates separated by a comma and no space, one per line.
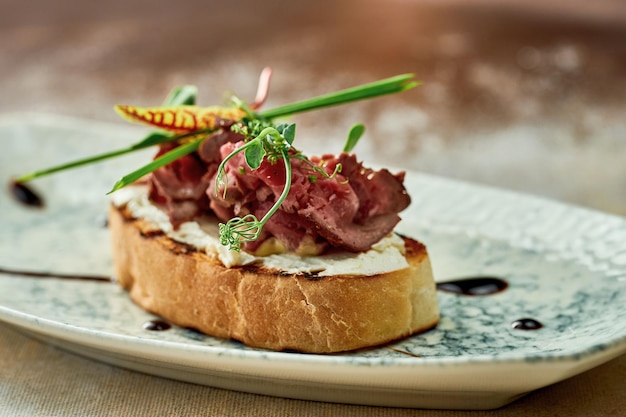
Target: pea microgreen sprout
(238,230)
(263,140)
(272,143)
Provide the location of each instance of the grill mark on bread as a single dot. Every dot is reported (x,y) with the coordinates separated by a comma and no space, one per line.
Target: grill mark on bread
(182,248)
(312,276)
(148,234)
(148,231)
(127,217)
(178,248)
(412,247)
(260,268)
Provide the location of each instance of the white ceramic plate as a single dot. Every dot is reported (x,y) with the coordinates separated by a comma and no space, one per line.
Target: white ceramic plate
(566,267)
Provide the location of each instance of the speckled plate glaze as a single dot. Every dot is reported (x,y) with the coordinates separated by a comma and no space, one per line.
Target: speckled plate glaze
(566,267)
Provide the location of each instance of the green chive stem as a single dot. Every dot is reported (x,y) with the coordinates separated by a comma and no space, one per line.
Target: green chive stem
(390,85)
(163,160)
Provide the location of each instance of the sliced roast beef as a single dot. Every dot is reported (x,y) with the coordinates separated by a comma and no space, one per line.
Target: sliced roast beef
(209,150)
(379,192)
(352,210)
(181,185)
(183,179)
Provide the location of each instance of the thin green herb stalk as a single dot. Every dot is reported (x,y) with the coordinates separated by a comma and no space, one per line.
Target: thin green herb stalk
(390,85)
(163,160)
(222,180)
(73,164)
(178,96)
(285,192)
(155,138)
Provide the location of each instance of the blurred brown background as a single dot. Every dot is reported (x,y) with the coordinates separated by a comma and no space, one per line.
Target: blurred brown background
(526,95)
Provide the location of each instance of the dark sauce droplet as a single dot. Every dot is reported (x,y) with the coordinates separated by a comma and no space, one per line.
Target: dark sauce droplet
(156,325)
(25,195)
(526,324)
(474,286)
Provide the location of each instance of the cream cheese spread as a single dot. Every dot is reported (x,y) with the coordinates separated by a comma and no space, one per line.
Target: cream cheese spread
(385,256)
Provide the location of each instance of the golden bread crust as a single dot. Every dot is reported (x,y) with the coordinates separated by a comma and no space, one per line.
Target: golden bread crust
(271,310)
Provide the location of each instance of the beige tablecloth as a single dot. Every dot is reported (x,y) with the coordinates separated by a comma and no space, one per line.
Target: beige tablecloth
(39,380)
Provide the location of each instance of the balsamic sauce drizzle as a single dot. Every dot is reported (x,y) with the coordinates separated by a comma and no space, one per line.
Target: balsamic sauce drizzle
(156,325)
(35,274)
(474,286)
(526,324)
(25,195)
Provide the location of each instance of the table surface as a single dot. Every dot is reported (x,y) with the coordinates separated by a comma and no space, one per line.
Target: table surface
(527,96)
(39,380)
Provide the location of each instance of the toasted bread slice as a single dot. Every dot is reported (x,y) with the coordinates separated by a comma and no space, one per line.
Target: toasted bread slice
(268,308)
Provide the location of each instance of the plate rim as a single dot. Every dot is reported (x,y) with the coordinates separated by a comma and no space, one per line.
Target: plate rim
(606,350)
